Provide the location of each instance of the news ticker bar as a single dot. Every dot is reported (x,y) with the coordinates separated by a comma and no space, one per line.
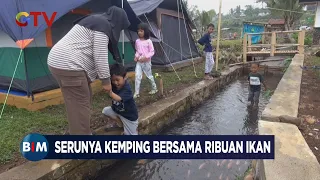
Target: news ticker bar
(35,147)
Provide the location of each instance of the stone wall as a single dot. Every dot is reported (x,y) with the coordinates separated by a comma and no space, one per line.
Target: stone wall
(293,158)
(152,120)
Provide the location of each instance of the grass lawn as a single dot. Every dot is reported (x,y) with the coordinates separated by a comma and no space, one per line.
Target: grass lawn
(16,123)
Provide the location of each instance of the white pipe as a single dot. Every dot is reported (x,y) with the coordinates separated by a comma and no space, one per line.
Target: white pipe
(122,42)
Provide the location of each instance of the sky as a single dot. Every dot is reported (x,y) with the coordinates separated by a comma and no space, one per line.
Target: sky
(226,4)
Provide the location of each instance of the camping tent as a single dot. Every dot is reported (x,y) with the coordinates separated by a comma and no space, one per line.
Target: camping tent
(31,73)
(175,42)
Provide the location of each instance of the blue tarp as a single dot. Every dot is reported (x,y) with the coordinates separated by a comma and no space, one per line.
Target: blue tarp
(248,28)
(17,93)
(10,8)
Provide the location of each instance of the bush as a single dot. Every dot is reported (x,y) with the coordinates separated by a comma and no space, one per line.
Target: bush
(307,40)
(234,44)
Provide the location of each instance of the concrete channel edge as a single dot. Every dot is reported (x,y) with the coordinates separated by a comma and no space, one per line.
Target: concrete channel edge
(152,120)
(294,159)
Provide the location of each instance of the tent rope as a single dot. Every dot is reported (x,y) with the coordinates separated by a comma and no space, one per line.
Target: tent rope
(162,48)
(14,73)
(169,46)
(174,49)
(185,24)
(179,29)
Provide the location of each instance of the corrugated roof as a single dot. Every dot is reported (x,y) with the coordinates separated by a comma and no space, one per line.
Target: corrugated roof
(276,21)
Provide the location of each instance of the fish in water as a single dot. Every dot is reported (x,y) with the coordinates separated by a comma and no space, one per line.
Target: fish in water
(209,174)
(224,161)
(227,178)
(230,165)
(218,163)
(238,162)
(220,177)
(189,172)
(142,161)
(202,165)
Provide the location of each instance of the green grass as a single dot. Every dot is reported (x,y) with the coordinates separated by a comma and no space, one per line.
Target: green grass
(235,45)
(241,177)
(228,43)
(287,63)
(16,123)
(268,94)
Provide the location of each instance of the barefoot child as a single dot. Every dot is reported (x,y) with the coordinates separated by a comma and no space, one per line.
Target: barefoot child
(123,104)
(144,52)
(206,41)
(255,80)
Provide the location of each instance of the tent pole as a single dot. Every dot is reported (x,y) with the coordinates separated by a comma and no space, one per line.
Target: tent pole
(218,39)
(122,42)
(27,76)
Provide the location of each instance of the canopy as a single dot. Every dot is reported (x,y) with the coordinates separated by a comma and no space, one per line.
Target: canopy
(141,7)
(24,35)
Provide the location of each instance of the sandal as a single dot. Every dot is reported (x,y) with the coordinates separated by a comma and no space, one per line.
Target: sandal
(208,78)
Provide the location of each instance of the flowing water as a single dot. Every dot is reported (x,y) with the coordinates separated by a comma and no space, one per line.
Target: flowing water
(224,114)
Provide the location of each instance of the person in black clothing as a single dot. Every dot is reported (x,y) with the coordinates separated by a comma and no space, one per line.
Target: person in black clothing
(123,105)
(206,42)
(255,80)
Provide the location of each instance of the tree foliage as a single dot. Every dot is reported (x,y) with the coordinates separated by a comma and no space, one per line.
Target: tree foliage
(200,18)
(288,9)
(236,16)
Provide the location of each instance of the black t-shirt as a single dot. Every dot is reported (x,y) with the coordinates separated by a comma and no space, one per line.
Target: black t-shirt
(255,80)
(127,107)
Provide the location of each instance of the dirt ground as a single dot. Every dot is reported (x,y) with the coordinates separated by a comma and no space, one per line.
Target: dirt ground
(309,108)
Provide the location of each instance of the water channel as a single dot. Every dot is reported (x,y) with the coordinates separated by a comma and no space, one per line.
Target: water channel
(225,114)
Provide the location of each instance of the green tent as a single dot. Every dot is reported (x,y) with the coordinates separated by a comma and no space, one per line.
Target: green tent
(32,74)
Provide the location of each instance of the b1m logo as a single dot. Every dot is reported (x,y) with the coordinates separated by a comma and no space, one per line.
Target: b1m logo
(34,147)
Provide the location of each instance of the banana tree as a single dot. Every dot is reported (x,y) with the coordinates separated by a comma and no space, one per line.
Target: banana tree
(290,10)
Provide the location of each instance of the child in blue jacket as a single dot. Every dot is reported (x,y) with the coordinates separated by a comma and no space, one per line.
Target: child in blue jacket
(206,41)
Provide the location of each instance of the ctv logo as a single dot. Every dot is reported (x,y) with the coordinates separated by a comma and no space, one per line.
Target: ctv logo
(23,19)
(34,147)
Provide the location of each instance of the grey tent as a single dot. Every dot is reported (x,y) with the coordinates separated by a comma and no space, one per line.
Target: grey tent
(163,18)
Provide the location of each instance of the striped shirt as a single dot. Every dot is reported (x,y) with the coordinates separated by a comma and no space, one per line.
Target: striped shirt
(82,49)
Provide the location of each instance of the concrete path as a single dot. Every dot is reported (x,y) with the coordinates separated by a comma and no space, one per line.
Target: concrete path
(294,159)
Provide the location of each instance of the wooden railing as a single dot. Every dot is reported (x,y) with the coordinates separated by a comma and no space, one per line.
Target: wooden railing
(248,47)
